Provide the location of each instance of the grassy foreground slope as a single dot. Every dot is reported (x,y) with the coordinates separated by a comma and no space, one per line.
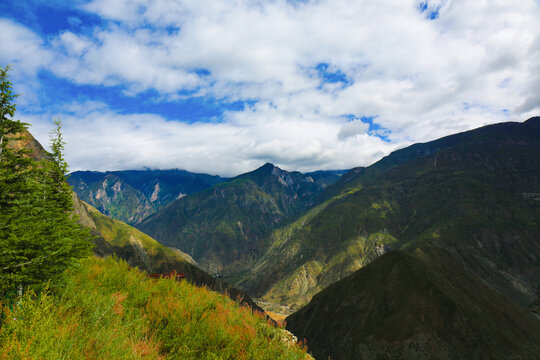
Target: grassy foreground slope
(415,305)
(107,310)
(114,237)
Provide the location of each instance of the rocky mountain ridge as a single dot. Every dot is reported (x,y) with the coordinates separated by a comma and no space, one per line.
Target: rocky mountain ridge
(132,195)
(224,228)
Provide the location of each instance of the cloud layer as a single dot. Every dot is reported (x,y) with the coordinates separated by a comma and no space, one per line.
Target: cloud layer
(308,72)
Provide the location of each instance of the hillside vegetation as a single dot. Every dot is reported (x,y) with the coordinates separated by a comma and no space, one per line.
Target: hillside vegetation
(225,227)
(415,305)
(132,195)
(106,310)
(115,238)
(474,194)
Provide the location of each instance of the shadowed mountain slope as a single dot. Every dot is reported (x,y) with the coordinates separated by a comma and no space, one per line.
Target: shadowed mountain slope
(417,305)
(475,194)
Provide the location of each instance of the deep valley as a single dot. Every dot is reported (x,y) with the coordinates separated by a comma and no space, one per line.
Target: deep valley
(457,220)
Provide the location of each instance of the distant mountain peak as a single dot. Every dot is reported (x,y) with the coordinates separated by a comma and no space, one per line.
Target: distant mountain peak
(269,170)
(131,195)
(534,121)
(268,167)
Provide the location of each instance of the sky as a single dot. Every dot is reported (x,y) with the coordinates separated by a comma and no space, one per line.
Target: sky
(224,86)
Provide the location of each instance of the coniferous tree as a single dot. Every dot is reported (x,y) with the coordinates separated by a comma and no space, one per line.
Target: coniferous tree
(15,169)
(63,238)
(39,236)
(13,164)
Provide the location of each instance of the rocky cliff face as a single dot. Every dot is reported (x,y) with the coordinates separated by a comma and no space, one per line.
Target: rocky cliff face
(113,197)
(131,195)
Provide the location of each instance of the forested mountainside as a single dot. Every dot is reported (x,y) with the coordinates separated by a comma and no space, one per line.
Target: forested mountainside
(225,227)
(475,194)
(419,304)
(132,195)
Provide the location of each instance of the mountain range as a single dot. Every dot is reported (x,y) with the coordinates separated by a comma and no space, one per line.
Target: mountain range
(115,238)
(132,195)
(431,252)
(474,194)
(224,228)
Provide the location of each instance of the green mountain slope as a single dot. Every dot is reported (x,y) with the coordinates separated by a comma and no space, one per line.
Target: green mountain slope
(415,305)
(132,195)
(114,237)
(223,228)
(474,194)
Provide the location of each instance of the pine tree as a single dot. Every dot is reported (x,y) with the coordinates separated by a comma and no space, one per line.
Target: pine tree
(65,240)
(39,236)
(15,169)
(13,163)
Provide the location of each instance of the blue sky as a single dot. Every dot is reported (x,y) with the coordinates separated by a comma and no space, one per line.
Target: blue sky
(225,86)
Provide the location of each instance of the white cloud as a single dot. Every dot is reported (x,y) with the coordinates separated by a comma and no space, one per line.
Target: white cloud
(24,50)
(115,57)
(117,141)
(352,128)
(477,63)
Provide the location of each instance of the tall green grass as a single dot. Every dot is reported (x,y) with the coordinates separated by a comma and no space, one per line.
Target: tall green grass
(108,311)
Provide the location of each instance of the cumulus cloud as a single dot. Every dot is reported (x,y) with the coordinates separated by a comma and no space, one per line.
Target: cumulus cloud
(22,48)
(425,69)
(352,129)
(118,141)
(398,60)
(25,51)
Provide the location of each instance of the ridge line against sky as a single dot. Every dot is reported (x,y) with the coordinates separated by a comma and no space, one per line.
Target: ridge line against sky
(222,87)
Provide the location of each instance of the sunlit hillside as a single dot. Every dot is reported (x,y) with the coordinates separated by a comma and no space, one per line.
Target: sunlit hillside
(107,310)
